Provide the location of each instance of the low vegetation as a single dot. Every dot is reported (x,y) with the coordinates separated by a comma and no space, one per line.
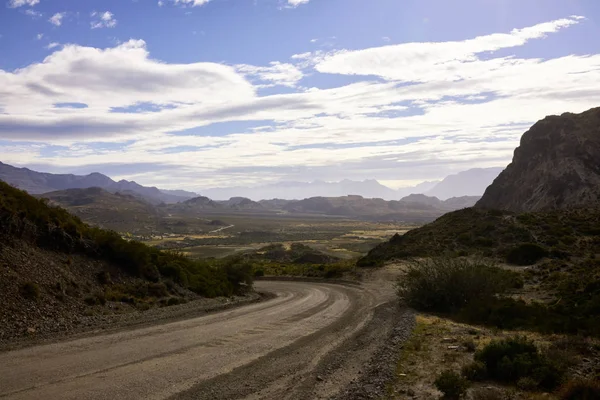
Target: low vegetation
(295,260)
(23,217)
(479,292)
(449,285)
(518,361)
(522,239)
(452,385)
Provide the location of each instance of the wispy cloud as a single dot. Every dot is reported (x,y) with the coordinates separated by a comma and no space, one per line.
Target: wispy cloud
(52,45)
(57,18)
(103,20)
(20,3)
(296,3)
(276,74)
(32,13)
(187,3)
(39,36)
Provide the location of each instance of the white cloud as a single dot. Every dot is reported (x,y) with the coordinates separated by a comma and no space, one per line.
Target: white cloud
(39,36)
(103,20)
(57,18)
(371,128)
(386,39)
(276,74)
(52,45)
(424,62)
(32,13)
(161,3)
(296,3)
(20,3)
(190,3)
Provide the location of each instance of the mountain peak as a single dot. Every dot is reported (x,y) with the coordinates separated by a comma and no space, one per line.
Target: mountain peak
(555,166)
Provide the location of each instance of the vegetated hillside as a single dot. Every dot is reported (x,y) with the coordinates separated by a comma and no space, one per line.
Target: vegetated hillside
(53,267)
(555,167)
(493,233)
(472,182)
(39,182)
(115,211)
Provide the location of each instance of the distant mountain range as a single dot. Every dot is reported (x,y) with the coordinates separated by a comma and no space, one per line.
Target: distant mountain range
(472,182)
(302,190)
(468,183)
(40,182)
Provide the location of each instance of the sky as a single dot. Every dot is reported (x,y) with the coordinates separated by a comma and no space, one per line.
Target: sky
(193,94)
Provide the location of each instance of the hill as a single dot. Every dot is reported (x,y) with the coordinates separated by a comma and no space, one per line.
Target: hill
(494,233)
(53,268)
(35,182)
(555,167)
(472,182)
(115,211)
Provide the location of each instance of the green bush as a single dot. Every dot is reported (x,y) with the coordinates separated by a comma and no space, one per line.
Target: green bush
(452,385)
(580,389)
(475,371)
(526,254)
(30,290)
(449,284)
(510,360)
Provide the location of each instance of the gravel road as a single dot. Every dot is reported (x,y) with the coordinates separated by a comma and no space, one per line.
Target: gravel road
(312,341)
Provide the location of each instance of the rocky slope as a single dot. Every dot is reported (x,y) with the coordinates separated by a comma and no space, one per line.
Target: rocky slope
(556,166)
(55,269)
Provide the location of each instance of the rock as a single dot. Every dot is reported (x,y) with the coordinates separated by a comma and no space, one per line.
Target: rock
(555,167)
(448,340)
(453,347)
(319,378)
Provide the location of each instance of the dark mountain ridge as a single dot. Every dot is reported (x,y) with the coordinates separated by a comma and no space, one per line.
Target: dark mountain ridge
(35,182)
(556,166)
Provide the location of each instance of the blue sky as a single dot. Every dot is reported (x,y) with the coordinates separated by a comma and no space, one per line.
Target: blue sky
(195,94)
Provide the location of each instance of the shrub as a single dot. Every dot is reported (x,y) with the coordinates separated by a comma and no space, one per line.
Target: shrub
(527,384)
(104,278)
(449,284)
(475,371)
(30,290)
(512,359)
(526,254)
(98,298)
(157,289)
(580,390)
(452,385)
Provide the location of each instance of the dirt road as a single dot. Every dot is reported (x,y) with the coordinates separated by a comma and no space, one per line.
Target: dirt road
(309,342)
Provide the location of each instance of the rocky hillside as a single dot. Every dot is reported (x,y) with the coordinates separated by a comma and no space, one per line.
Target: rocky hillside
(54,269)
(556,166)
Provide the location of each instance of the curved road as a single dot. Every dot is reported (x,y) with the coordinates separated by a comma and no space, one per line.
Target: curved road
(274,349)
